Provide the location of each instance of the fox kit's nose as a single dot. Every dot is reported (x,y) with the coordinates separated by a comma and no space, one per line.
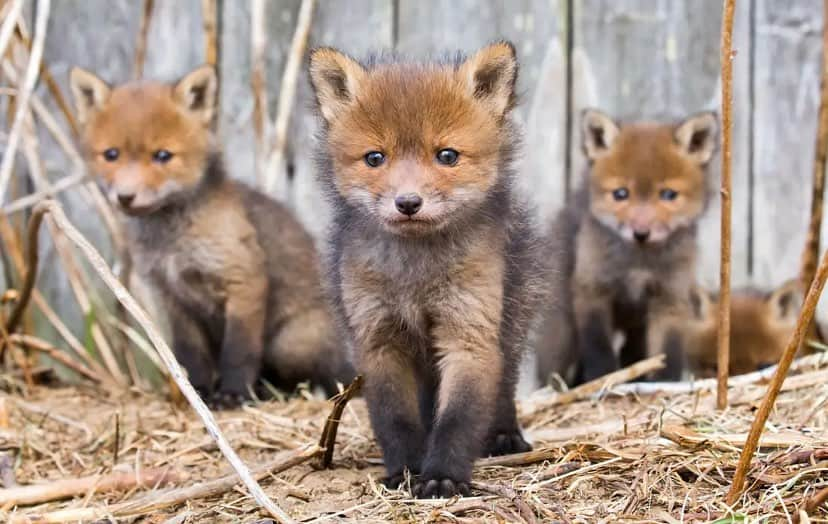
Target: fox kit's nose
(409,203)
(125,199)
(641,235)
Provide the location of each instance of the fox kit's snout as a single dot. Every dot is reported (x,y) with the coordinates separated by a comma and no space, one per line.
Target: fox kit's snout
(648,180)
(416,146)
(149,143)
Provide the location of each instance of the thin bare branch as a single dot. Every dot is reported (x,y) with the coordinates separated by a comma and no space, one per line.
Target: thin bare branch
(11,13)
(726,211)
(141,45)
(258,83)
(287,93)
(209,16)
(24,93)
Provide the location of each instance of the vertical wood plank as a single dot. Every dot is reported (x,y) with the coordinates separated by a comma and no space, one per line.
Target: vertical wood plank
(786,86)
(660,59)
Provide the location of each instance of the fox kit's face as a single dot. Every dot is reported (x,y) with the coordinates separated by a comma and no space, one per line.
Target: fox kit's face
(760,327)
(648,180)
(415,146)
(148,143)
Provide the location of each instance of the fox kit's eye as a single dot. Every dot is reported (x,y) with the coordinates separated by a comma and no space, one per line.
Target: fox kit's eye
(162,156)
(447,157)
(374,158)
(668,194)
(111,154)
(621,194)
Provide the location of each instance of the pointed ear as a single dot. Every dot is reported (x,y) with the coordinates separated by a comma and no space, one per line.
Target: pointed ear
(701,303)
(196,92)
(89,91)
(698,136)
(491,74)
(598,132)
(786,301)
(336,78)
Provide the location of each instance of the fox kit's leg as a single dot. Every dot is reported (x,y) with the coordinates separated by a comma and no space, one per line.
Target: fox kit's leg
(305,347)
(241,350)
(665,337)
(191,347)
(593,319)
(505,436)
(391,393)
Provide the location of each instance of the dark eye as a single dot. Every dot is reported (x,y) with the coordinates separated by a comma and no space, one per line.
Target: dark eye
(162,156)
(668,194)
(374,158)
(111,154)
(447,157)
(621,194)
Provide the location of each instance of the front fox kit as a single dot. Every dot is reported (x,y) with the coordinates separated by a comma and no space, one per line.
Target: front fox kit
(432,263)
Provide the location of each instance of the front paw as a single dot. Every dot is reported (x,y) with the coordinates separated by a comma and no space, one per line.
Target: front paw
(506,443)
(431,487)
(397,480)
(221,400)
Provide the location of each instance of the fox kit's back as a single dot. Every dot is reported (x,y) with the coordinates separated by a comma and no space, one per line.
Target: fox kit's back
(432,260)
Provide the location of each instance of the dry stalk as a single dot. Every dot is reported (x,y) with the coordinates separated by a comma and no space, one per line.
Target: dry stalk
(328,439)
(58,218)
(58,187)
(758,425)
(726,211)
(30,342)
(67,488)
(258,82)
(154,502)
(11,13)
(32,257)
(511,495)
(287,93)
(209,14)
(141,45)
(810,255)
(24,93)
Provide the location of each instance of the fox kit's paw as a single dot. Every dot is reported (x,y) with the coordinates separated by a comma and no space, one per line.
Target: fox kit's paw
(506,443)
(397,480)
(440,487)
(226,400)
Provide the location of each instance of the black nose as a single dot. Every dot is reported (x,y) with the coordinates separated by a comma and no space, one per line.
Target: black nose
(642,236)
(125,199)
(408,204)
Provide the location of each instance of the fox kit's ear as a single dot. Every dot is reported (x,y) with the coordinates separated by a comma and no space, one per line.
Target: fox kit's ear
(89,91)
(598,132)
(335,78)
(786,300)
(491,74)
(196,92)
(700,303)
(698,136)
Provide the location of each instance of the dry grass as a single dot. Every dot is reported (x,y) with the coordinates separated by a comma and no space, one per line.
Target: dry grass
(653,458)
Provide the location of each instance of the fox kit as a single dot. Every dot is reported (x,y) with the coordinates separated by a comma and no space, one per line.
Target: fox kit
(237,274)
(624,249)
(761,324)
(433,267)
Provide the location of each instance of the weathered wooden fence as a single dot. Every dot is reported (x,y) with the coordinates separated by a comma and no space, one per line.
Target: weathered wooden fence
(630,57)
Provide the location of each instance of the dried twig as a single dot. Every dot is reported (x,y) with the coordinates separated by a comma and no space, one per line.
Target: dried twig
(67,488)
(758,425)
(141,45)
(328,439)
(24,93)
(30,342)
(32,256)
(509,494)
(58,217)
(10,13)
(287,92)
(258,82)
(810,255)
(817,500)
(727,186)
(597,385)
(209,14)
(156,501)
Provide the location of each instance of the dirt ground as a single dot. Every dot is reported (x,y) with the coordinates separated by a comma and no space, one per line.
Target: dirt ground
(647,458)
